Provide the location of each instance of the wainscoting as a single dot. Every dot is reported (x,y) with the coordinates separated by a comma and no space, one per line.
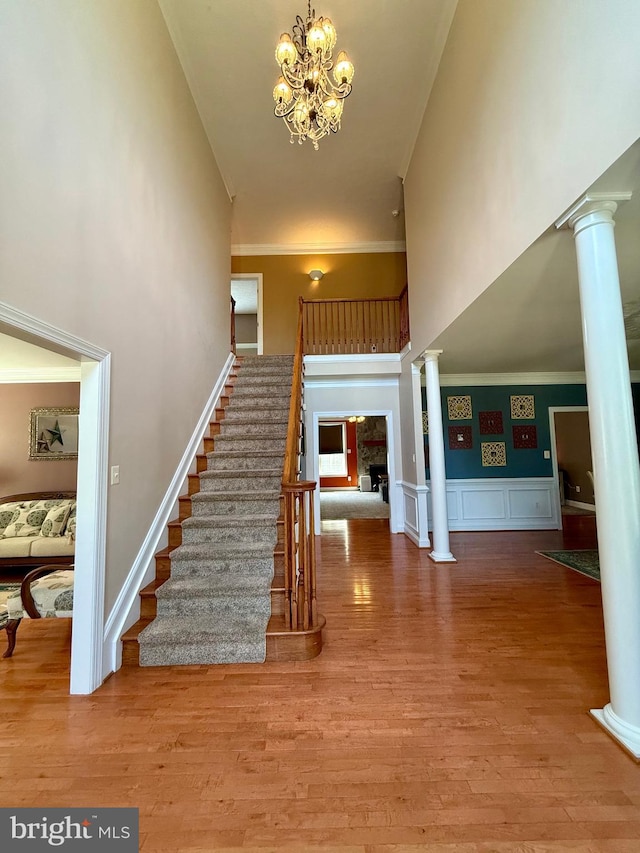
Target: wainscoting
(414,507)
(528,503)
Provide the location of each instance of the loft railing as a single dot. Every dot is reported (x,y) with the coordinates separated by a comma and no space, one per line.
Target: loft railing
(233,325)
(356,325)
(300,609)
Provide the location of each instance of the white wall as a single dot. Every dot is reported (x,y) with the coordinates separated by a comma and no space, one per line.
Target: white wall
(373,396)
(114,227)
(533,100)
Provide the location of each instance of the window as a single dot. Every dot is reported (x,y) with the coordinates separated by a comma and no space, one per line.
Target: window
(332,440)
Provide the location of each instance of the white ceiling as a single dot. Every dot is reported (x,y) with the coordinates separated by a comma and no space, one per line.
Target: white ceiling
(16,354)
(285,194)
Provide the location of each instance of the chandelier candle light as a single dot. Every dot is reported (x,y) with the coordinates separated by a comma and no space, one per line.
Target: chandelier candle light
(307,100)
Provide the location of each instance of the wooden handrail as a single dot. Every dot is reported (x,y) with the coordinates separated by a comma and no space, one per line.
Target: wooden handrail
(299,534)
(347,325)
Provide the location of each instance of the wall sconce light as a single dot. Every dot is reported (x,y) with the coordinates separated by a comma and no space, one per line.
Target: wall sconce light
(315,275)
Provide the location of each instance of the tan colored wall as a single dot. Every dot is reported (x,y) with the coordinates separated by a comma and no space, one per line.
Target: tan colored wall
(573,446)
(286,278)
(17,473)
(115,228)
(246,328)
(532,102)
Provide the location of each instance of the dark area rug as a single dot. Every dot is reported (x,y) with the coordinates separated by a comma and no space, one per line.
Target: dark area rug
(585,562)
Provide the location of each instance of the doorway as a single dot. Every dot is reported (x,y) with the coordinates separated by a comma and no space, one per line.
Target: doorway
(86,669)
(572,465)
(353,467)
(246,291)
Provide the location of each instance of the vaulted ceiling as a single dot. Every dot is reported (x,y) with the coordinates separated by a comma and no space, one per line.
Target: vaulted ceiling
(290,197)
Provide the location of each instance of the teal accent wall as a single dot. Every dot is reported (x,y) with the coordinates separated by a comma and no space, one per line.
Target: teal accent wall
(467,464)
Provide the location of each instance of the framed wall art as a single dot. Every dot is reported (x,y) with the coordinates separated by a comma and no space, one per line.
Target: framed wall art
(53,433)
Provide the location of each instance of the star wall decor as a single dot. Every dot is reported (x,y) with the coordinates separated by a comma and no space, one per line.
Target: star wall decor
(55,435)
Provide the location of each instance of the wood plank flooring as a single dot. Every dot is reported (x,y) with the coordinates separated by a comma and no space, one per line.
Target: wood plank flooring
(446,713)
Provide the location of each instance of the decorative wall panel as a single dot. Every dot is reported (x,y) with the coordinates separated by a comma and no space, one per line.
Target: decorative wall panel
(491,423)
(525,436)
(494,454)
(523,407)
(460,438)
(425,423)
(459,408)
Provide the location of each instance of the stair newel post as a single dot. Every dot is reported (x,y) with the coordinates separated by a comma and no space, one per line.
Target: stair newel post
(303,579)
(289,549)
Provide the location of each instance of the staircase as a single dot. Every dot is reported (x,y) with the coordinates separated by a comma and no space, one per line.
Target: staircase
(218,596)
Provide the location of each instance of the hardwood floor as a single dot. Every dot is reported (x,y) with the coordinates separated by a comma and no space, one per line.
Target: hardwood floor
(447,712)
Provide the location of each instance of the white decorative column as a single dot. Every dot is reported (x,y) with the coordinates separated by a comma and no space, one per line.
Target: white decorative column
(615,457)
(441,552)
(422,516)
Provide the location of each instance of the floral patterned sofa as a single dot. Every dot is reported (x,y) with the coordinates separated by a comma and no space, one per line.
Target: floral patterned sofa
(45,592)
(37,528)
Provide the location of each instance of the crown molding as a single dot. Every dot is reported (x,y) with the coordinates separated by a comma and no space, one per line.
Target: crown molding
(454,379)
(22,375)
(258,249)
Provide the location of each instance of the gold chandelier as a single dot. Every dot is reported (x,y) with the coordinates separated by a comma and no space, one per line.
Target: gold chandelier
(308,101)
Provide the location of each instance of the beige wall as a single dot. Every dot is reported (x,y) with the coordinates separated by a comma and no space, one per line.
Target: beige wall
(17,473)
(246,328)
(115,228)
(286,278)
(533,100)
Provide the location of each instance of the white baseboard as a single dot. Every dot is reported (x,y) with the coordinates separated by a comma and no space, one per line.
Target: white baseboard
(126,610)
(581,505)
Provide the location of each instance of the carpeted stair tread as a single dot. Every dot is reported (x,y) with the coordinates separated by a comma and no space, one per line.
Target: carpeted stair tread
(200,586)
(192,551)
(216,604)
(241,521)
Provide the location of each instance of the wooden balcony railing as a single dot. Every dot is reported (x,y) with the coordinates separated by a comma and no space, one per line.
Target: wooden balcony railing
(300,609)
(356,325)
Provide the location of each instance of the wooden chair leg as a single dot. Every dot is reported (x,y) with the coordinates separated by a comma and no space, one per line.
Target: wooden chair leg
(11,628)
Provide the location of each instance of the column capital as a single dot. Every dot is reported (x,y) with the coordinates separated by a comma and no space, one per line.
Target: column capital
(590,203)
(431,354)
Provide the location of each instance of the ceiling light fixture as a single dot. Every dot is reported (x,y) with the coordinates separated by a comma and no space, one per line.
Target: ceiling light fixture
(356,419)
(307,100)
(315,275)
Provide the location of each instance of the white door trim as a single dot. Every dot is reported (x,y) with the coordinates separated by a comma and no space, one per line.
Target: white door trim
(257,276)
(93,440)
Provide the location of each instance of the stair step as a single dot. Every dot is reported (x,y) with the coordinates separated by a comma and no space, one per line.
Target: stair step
(234,503)
(250,444)
(239,460)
